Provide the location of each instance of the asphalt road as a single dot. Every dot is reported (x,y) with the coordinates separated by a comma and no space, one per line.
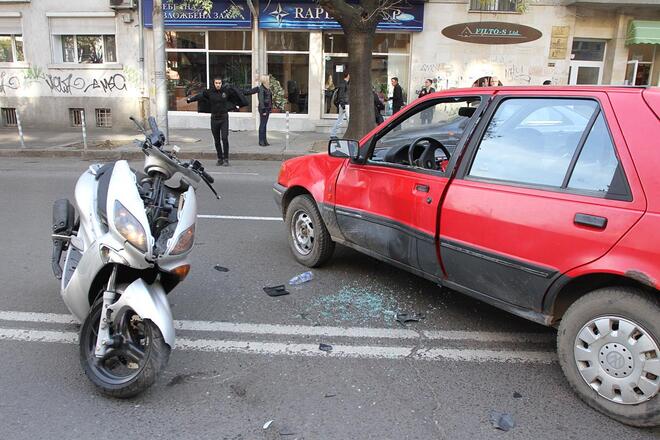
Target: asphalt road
(244,358)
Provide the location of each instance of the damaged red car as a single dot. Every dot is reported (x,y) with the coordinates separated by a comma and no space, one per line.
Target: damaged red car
(544,202)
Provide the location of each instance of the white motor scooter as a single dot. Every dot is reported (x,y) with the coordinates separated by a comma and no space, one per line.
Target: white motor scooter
(127,243)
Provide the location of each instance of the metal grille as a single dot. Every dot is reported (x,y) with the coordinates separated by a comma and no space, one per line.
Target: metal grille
(103,117)
(494,5)
(76,116)
(9,117)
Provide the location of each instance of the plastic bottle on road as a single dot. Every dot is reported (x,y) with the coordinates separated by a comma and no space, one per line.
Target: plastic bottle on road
(302,278)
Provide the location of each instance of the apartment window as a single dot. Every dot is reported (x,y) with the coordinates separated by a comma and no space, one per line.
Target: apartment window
(494,5)
(103,118)
(11,48)
(88,49)
(194,58)
(288,67)
(9,117)
(76,116)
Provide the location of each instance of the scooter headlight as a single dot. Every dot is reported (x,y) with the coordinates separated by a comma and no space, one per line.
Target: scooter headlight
(129,227)
(185,241)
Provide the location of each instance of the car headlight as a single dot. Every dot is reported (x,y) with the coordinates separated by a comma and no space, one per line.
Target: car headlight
(185,241)
(129,227)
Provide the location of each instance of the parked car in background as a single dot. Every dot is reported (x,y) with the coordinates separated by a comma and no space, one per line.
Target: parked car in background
(544,202)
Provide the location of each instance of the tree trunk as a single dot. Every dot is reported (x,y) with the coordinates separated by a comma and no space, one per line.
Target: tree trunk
(362,117)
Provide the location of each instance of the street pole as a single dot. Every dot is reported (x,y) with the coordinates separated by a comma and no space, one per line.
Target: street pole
(20,128)
(84,130)
(160,67)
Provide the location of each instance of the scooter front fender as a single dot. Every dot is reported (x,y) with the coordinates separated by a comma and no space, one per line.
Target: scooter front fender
(149,302)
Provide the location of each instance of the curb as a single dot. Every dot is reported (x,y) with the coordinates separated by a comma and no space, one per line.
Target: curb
(110,155)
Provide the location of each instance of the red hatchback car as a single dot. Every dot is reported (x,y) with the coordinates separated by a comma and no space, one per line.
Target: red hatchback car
(544,202)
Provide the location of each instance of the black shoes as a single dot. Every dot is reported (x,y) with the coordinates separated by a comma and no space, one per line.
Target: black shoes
(264,144)
(226,164)
(219,162)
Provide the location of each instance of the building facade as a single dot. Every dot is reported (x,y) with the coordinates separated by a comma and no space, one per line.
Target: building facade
(62,61)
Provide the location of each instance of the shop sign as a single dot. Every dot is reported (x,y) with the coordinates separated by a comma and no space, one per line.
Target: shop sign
(223,15)
(284,15)
(491,32)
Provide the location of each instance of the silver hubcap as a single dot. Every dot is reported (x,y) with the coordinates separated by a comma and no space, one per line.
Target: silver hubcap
(619,359)
(302,231)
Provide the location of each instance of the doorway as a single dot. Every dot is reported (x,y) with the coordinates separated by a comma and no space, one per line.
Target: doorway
(587,58)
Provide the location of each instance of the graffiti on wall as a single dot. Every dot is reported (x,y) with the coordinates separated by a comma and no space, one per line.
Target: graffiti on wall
(66,84)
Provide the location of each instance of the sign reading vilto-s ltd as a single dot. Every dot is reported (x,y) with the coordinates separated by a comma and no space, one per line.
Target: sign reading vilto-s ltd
(491,32)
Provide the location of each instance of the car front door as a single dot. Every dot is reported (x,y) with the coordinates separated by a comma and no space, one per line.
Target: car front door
(547,185)
(386,206)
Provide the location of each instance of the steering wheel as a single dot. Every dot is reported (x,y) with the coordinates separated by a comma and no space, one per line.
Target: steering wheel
(427,158)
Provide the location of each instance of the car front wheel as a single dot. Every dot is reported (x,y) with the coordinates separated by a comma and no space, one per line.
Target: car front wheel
(608,347)
(309,239)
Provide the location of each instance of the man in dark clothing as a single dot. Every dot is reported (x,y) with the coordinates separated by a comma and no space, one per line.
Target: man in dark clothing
(220,103)
(397,97)
(265,106)
(378,107)
(341,101)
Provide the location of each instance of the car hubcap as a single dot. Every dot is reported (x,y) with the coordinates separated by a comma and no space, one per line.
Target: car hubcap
(618,359)
(302,231)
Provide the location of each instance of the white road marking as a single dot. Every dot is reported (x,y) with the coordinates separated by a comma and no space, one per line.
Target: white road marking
(340,351)
(301,330)
(239,217)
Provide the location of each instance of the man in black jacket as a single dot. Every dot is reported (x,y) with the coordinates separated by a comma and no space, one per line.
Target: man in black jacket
(220,102)
(341,101)
(397,96)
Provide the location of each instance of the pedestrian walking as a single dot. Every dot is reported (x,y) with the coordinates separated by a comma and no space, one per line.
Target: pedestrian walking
(427,115)
(220,99)
(341,101)
(378,108)
(397,95)
(265,106)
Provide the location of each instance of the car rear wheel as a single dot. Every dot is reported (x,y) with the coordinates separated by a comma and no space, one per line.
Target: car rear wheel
(608,347)
(309,239)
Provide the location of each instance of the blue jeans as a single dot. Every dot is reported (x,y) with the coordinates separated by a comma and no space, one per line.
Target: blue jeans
(263,123)
(340,118)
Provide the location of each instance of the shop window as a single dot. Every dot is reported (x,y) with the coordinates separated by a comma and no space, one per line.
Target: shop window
(194,58)
(11,48)
(494,5)
(640,64)
(186,74)
(88,49)
(185,40)
(391,58)
(230,40)
(288,66)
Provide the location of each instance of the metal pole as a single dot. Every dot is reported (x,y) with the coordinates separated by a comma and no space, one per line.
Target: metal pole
(160,67)
(84,130)
(20,128)
(286,145)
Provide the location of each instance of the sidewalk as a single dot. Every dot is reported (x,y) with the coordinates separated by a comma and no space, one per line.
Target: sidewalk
(113,144)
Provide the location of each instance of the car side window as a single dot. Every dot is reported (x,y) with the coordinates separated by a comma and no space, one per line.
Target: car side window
(444,122)
(532,140)
(598,168)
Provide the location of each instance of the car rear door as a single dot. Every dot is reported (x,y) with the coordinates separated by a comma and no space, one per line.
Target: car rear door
(547,185)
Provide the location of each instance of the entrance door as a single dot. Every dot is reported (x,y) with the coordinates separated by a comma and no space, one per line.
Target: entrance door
(585,73)
(586,62)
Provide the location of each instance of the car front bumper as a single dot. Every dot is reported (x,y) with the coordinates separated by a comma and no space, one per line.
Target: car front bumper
(278,194)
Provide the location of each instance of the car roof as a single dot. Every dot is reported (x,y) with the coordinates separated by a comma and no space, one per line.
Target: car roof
(540,88)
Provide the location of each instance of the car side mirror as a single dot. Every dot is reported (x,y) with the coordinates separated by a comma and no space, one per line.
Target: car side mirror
(344,148)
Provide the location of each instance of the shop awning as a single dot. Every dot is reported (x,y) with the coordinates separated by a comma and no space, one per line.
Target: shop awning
(643,32)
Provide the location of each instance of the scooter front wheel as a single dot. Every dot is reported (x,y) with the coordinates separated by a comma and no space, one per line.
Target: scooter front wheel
(137,356)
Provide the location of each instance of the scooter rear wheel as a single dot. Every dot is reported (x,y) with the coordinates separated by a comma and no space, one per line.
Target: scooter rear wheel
(133,364)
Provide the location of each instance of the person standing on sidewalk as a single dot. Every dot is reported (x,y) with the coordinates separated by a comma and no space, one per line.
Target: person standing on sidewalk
(341,101)
(265,106)
(220,103)
(397,95)
(427,115)
(378,107)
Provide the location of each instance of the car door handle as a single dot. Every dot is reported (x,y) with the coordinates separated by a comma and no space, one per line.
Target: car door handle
(422,188)
(593,221)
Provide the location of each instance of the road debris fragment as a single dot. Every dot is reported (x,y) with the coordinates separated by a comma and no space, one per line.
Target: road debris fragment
(276,290)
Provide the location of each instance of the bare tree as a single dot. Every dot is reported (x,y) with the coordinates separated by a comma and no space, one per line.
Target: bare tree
(359,21)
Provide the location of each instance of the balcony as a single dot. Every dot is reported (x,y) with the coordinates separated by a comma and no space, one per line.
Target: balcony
(494,5)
